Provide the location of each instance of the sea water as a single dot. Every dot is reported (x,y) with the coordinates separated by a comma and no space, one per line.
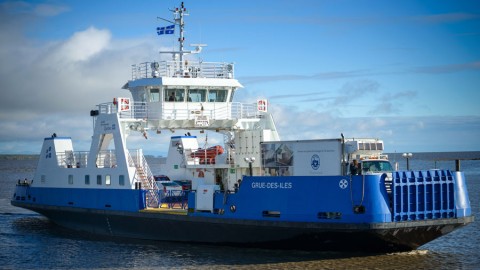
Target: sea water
(30,241)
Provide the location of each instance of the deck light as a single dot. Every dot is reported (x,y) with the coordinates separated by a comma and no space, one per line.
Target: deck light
(250,160)
(407,156)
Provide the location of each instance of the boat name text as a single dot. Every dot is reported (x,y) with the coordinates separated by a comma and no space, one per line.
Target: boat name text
(272,185)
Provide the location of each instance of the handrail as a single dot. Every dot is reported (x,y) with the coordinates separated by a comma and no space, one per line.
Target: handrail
(144,174)
(72,159)
(184,110)
(188,69)
(173,199)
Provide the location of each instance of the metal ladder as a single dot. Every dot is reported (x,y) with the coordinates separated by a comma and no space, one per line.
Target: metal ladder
(144,175)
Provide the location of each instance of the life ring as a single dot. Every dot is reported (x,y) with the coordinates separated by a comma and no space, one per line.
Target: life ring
(201,174)
(115,101)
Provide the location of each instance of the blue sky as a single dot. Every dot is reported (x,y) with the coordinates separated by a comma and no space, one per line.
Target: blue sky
(407,72)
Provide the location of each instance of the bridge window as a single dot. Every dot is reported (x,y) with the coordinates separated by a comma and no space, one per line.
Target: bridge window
(154,95)
(217,95)
(197,95)
(174,95)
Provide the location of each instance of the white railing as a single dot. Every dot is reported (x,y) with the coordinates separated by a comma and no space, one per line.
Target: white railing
(78,159)
(71,159)
(137,159)
(184,111)
(187,69)
(106,159)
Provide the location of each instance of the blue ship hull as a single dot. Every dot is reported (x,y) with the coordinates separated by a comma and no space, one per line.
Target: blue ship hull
(319,213)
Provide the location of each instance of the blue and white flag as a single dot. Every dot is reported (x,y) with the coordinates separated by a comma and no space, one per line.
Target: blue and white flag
(167,30)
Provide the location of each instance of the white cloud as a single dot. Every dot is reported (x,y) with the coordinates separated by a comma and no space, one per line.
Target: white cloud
(48,10)
(399,133)
(51,86)
(82,46)
(33,9)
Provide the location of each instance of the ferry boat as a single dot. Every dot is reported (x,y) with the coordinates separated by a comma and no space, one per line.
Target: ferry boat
(255,190)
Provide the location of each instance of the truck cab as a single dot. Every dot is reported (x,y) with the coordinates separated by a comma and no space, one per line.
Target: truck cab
(371,165)
(368,153)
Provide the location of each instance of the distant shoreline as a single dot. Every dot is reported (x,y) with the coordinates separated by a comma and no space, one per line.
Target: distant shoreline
(30,157)
(17,157)
(438,156)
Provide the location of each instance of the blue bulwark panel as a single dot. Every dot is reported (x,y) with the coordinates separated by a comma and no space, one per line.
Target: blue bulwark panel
(422,195)
(131,200)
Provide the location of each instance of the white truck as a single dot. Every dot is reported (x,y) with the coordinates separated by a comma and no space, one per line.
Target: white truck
(323,157)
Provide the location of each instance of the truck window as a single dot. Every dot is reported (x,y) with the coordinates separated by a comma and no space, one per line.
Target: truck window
(377,166)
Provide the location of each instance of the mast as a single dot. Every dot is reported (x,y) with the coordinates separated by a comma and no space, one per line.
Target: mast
(178,14)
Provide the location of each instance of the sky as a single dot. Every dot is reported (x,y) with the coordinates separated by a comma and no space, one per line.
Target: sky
(407,72)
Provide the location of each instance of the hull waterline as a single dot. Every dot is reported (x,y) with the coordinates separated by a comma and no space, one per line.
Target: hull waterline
(379,237)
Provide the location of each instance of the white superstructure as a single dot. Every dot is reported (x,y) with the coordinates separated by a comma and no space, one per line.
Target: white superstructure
(187,94)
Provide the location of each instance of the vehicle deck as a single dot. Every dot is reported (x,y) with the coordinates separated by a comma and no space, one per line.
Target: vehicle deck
(171,211)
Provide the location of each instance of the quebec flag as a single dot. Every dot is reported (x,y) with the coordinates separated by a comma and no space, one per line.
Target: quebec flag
(167,30)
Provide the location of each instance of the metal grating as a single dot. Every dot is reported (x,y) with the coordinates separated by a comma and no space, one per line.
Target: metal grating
(423,195)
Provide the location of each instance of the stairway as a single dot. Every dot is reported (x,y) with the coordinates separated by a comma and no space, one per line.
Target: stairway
(149,185)
(145,176)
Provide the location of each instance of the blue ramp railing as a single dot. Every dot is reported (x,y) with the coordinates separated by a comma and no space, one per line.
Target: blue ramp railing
(173,199)
(422,195)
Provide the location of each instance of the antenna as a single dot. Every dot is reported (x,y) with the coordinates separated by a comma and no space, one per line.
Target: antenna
(178,14)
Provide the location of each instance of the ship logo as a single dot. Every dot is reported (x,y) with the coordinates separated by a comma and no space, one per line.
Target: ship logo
(343,184)
(315,162)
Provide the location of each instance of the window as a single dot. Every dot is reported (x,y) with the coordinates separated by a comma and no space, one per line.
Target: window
(99,179)
(360,146)
(197,95)
(43,179)
(174,94)
(107,180)
(70,179)
(154,95)
(176,143)
(367,146)
(217,95)
(121,180)
(377,166)
(87,179)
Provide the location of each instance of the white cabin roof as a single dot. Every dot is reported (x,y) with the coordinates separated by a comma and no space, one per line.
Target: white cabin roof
(183,82)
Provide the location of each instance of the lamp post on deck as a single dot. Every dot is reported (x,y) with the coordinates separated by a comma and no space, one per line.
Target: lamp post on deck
(407,156)
(250,160)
